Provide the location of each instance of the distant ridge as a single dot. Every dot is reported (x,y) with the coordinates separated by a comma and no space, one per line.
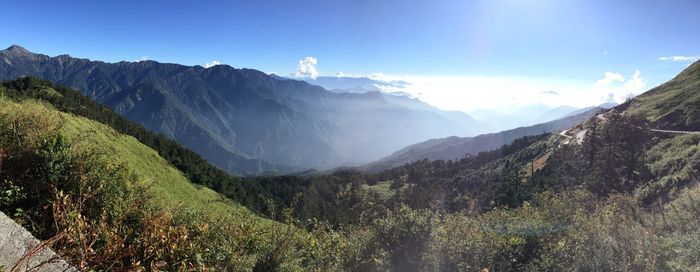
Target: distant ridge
(452,148)
(243,120)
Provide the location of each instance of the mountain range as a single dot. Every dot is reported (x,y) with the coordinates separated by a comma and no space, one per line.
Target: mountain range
(243,120)
(343,84)
(543,196)
(455,148)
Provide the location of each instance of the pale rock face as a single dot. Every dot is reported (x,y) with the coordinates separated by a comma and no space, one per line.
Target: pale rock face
(15,245)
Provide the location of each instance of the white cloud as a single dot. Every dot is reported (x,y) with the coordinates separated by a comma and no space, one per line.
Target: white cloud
(307,67)
(635,84)
(609,79)
(470,93)
(620,92)
(144,58)
(212,64)
(340,74)
(377,76)
(680,58)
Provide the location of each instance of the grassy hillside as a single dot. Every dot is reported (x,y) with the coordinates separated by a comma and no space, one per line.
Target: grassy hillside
(134,209)
(672,105)
(623,198)
(169,184)
(248,192)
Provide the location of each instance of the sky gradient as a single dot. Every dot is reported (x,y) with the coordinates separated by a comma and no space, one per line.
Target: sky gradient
(458,54)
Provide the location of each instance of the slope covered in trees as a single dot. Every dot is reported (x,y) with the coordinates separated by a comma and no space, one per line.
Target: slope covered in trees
(624,199)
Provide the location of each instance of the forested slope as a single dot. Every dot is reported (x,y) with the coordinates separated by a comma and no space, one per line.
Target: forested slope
(623,198)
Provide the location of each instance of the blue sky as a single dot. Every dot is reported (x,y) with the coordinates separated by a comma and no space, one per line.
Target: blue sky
(558,44)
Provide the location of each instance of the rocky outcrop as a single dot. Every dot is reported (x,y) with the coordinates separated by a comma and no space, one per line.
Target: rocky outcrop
(20,251)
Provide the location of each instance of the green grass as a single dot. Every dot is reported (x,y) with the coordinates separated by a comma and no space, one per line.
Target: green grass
(677,96)
(670,163)
(170,187)
(50,92)
(672,158)
(226,233)
(382,188)
(671,155)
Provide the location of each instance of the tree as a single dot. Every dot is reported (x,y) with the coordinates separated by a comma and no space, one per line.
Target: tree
(614,153)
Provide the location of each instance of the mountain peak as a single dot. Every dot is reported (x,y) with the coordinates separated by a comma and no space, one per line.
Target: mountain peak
(692,68)
(17,50)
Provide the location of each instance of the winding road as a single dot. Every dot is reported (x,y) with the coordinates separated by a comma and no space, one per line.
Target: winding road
(674,131)
(581,135)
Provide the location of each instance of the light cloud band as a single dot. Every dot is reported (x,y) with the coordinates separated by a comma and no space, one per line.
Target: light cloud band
(680,58)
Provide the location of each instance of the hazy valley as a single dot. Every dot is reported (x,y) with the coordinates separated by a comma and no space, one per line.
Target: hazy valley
(349,136)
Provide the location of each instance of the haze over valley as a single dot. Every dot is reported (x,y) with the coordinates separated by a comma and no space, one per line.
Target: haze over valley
(484,135)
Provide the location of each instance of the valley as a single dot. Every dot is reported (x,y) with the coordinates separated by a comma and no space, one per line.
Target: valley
(245,121)
(349,136)
(531,193)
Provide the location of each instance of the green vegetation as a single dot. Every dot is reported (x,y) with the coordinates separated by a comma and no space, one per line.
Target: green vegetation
(623,200)
(674,163)
(672,105)
(171,186)
(194,167)
(109,202)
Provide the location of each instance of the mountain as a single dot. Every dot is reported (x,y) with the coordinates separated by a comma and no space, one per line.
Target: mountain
(606,106)
(461,120)
(452,148)
(674,105)
(629,188)
(354,84)
(518,116)
(645,148)
(243,120)
(566,111)
(554,114)
(510,117)
(365,85)
(129,201)
(73,168)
